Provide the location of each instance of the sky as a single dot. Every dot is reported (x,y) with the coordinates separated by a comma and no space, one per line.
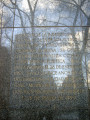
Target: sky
(41,4)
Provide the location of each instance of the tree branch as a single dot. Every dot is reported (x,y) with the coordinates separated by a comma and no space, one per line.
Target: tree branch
(35,5)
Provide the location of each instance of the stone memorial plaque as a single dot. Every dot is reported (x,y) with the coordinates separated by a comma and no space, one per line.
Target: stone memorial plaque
(44,60)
